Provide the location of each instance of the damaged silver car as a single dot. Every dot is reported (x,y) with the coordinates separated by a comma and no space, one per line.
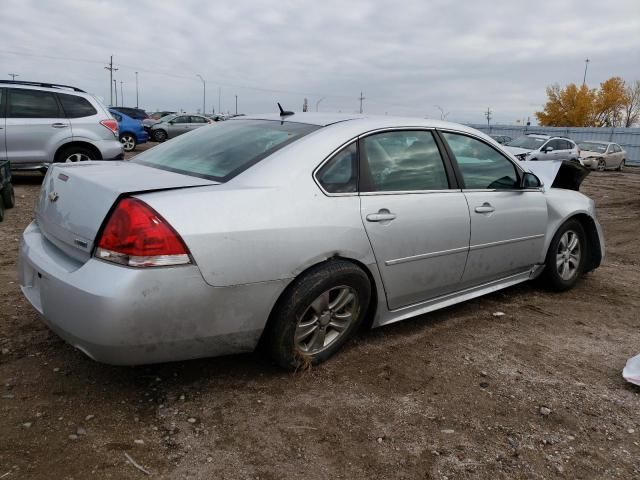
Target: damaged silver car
(291,232)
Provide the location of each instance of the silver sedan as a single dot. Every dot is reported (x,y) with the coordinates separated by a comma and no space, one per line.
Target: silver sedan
(292,232)
(173,125)
(602,155)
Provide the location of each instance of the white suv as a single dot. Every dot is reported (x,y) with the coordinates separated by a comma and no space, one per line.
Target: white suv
(543,147)
(42,123)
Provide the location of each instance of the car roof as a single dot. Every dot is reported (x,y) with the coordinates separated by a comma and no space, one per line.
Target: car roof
(368,121)
(596,141)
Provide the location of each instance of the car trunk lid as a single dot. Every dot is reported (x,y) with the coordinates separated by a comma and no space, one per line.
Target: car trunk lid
(76,198)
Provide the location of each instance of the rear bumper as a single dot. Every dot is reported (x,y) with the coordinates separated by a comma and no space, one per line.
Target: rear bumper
(128,316)
(110,149)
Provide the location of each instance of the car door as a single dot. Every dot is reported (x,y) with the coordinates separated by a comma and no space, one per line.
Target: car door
(3,149)
(508,223)
(179,125)
(197,122)
(416,218)
(35,126)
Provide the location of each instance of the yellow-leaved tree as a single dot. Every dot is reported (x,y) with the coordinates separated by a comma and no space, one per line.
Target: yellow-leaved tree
(613,104)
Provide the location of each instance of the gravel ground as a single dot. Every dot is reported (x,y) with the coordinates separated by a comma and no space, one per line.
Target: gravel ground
(460,393)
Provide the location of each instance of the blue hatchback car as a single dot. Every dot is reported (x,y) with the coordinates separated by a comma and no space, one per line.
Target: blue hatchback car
(131,131)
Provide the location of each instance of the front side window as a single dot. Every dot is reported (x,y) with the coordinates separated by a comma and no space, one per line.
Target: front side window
(223,152)
(75,106)
(181,119)
(32,104)
(340,174)
(403,161)
(482,167)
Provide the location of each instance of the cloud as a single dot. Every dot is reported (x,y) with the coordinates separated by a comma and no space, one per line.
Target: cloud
(405,56)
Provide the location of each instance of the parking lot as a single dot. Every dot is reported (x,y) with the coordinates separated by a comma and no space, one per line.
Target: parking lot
(460,393)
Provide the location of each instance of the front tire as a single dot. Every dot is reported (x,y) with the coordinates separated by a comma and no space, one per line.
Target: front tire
(128,142)
(601,167)
(1,211)
(566,257)
(159,135)
(318,314)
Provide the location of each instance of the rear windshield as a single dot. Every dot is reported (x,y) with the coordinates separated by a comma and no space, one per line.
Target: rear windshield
(220,152)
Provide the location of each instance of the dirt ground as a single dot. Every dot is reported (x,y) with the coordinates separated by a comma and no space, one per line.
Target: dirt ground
(454,394)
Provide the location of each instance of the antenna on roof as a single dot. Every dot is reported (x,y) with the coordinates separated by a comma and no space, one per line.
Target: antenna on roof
(284,113)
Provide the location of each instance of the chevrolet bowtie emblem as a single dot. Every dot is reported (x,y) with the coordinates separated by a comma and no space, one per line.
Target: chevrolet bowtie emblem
(53,196)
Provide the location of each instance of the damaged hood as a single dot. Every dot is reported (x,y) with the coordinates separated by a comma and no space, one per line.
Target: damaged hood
(516,150)
(558,173)
(588,153)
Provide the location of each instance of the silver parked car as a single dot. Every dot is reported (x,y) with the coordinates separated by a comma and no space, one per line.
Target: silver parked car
(173,125)
(292,232)
(602,155)
(44,123)
(533,146)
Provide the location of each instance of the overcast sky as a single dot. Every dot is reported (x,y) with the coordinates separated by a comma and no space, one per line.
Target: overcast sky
(407,56)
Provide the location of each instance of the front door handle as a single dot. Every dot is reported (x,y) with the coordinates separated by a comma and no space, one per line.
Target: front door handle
(383,215)
(58,125)
(486,207)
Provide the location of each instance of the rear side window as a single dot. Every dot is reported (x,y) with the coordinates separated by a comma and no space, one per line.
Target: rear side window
(220,153)
(340,174)
(195,119)
(32,104)
(403,161)
(482,167)
(76,107)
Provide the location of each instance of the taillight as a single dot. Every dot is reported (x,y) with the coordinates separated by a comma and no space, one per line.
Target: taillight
(111,124)
(137,236)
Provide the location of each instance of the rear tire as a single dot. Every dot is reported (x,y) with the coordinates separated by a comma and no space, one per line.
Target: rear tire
(619,169)
(566,257)
(76,154)
(1,211)
(318,314)
(128,142)
(8,196)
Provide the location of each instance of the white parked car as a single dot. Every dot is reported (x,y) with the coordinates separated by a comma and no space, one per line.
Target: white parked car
(602,155)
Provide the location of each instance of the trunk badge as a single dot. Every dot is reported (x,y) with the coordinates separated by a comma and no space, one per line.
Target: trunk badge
(53,196)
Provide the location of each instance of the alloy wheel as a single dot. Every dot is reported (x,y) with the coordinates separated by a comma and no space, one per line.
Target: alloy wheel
(77,157)
(128,142)
(568,255)
(326,319)
(601,166)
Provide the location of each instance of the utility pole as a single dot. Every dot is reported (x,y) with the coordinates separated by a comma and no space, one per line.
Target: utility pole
(361,99)
(204,93)
(111,80)
(586,64)
(318,103)
(488,115)
(13,76)
(136,89)
(121,95)
(236,104)
(115,89)
(219,94)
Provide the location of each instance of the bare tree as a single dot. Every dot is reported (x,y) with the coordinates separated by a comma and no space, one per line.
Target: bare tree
(631,109)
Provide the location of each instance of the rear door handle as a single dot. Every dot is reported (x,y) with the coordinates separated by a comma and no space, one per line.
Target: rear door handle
(485,208)
(59,125)
(383,215)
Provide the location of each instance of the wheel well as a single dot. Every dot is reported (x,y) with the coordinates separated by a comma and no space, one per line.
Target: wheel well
(88,146)
(373,302)
(593,241)
(122,134)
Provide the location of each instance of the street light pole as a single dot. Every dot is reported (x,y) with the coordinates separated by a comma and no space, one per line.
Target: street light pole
(115,90)
(318,103)
(121,94)
(136,89)
(236,104)
(204,93)
(586,64)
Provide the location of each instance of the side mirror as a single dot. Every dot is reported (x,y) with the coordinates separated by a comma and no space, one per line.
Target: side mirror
(529,180)
(547,149)
(171,122)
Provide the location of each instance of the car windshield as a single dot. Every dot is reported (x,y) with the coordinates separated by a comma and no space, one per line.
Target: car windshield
(593,147)
(527,142)
(223,151)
